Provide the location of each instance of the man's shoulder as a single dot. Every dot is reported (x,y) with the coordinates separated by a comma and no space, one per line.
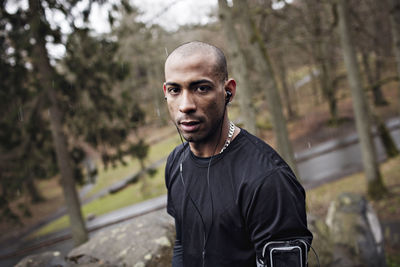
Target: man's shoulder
(173,161)
(176,153)
(259,147)
(259,156)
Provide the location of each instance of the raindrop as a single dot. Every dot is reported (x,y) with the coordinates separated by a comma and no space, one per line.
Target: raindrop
(20,114)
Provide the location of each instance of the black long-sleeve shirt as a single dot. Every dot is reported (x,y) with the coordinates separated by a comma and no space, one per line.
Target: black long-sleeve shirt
(249,198)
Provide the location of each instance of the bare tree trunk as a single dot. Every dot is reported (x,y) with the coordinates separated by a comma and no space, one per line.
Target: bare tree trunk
(323,58)
(376,187)
(77,224)
(314,86)
(239,67)
(374,75)
(46,75)
(379,99)
(384,134)
(34,192)
(285,87)
(326,82)
(395,26)
(367,68)
(271,89)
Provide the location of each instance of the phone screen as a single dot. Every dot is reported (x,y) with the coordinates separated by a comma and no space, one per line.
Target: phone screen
(286,257)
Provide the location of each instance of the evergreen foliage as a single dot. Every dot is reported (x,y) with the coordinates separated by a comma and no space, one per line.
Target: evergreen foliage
(94,109)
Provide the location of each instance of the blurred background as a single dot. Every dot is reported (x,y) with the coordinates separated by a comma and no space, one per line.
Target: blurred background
(85,132)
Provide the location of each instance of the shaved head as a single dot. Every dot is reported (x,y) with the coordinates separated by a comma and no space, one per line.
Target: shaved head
(195,48)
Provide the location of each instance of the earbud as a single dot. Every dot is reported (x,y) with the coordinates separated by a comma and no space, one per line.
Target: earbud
(228,97)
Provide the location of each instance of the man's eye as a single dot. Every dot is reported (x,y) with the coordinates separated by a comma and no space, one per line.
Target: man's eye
(203,89)
(173,90)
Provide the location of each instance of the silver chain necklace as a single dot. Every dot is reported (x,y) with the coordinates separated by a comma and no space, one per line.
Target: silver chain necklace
(230,135)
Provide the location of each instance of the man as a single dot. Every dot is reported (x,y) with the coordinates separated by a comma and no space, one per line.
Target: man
(228,191)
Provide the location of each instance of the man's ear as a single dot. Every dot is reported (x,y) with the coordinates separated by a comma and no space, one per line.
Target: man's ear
(230,86)
(165,90)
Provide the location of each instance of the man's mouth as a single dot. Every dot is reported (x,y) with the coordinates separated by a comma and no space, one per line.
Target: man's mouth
(189,125)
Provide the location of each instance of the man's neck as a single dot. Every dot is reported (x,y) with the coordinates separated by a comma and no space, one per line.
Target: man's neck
(203,150)
(213,146)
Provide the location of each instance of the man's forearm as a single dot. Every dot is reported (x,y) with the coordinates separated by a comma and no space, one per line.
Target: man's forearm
(177,258)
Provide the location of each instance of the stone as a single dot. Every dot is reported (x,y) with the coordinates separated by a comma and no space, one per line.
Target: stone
(350,236)
(45,259)
(163,241)
(90,217)
(356,232)
(88,261)
(322,242)
(125,245)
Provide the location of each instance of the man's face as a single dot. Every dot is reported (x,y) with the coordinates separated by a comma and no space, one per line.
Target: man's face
(195,96)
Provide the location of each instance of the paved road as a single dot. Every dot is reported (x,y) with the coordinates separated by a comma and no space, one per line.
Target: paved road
(330,160)
(338,158)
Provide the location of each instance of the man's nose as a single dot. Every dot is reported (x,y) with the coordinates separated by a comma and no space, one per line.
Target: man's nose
(187,103)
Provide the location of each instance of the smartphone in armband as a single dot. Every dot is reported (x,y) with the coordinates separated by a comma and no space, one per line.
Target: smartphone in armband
(290,253)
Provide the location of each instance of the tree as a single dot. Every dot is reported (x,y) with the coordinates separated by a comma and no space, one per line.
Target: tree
(282,72)
(61,99)
(139,46)
(395,27)
(372,31)
(322,41)
(46,77)
(239,67)
(271,88)
(22,125)
(375,184)
(388,143)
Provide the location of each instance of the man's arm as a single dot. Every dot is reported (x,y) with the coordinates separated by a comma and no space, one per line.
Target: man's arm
(177,258)
(275,210)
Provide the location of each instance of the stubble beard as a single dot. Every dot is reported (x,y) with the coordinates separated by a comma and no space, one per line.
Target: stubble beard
(210,136)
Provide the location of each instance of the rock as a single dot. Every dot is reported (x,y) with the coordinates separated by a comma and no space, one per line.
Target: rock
(351,236)
(88,261)
(45,259)
(322,242)
(144,241)
(356,232)
(90,217)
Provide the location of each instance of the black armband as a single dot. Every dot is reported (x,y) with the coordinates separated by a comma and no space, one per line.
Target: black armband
(290,253)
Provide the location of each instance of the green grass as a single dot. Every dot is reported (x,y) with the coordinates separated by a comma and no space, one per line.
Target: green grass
(112,175)
(163,148)
(130,195)
(393,261)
